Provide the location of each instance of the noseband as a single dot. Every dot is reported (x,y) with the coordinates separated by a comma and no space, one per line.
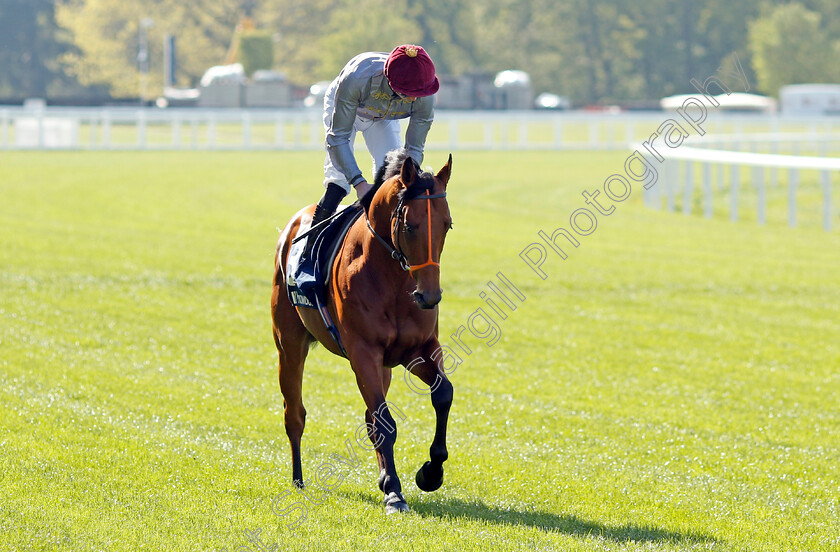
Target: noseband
(396,223)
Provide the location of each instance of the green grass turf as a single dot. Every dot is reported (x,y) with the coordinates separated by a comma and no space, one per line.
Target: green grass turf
(672,385)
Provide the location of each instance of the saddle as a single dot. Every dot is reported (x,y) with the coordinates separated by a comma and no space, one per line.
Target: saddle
(307,276)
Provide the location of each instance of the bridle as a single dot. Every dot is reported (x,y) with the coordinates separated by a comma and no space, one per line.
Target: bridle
(396,224)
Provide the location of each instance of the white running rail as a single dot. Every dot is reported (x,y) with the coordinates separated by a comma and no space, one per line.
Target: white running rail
(735,160)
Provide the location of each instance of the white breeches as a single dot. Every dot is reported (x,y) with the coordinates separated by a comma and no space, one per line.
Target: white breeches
(380,137)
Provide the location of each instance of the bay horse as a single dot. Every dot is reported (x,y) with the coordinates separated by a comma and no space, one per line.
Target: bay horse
(383,295)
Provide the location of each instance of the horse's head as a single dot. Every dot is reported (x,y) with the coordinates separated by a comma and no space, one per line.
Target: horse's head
(419,232)
(419,223)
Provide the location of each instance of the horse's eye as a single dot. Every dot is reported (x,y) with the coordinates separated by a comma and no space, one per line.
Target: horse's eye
(409,228)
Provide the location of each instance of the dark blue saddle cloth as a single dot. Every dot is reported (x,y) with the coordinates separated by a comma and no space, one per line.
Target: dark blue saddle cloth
(306,282)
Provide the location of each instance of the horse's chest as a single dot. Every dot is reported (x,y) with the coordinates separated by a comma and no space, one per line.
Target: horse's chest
(410,332)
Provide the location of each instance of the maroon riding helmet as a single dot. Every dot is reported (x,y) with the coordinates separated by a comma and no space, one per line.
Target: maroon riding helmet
(410,71)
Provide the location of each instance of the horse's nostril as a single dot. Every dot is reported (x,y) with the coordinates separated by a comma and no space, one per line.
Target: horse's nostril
(424,303)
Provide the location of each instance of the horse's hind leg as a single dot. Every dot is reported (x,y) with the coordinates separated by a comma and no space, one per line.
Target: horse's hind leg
(430,476)
(293,345)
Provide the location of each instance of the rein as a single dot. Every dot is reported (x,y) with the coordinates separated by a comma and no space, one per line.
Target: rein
(396,223)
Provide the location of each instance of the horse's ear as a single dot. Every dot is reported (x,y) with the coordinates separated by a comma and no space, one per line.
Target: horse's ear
(408,174)
(445,172)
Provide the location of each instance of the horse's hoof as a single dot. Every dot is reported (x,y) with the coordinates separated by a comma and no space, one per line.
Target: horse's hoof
(394,502)
(428,479)
(382,475)
(298,483)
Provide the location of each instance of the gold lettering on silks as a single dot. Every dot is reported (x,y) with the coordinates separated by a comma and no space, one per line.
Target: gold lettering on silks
(384,112)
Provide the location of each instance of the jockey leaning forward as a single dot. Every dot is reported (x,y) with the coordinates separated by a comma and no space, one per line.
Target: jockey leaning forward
(372,91)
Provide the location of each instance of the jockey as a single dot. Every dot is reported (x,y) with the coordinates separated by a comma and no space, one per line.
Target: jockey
(372,91)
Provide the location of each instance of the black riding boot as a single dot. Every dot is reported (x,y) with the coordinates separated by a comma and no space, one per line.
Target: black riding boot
(328,203)
(325,208)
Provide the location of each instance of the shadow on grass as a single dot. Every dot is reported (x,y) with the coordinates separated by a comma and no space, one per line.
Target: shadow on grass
(449,508)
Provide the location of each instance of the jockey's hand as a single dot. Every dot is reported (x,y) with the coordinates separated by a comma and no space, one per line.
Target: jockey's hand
(362,188)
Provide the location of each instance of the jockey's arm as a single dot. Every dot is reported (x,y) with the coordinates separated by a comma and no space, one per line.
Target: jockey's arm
(347,98)
(419,124)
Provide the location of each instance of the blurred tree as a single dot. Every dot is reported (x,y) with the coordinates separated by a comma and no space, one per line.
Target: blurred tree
(830,12)
(682,40)
(318,37)
(299,27)
(357,26)
(447,31)
(107,33)
(790,45)
(256,51)
(537,37)
(31,44)
(591,50)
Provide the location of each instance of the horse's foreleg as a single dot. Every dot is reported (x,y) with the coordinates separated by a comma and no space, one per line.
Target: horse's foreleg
(430,476)
(382,429)
(380,461)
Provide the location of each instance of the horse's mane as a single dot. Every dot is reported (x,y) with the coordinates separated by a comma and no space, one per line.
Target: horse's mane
(391,167)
